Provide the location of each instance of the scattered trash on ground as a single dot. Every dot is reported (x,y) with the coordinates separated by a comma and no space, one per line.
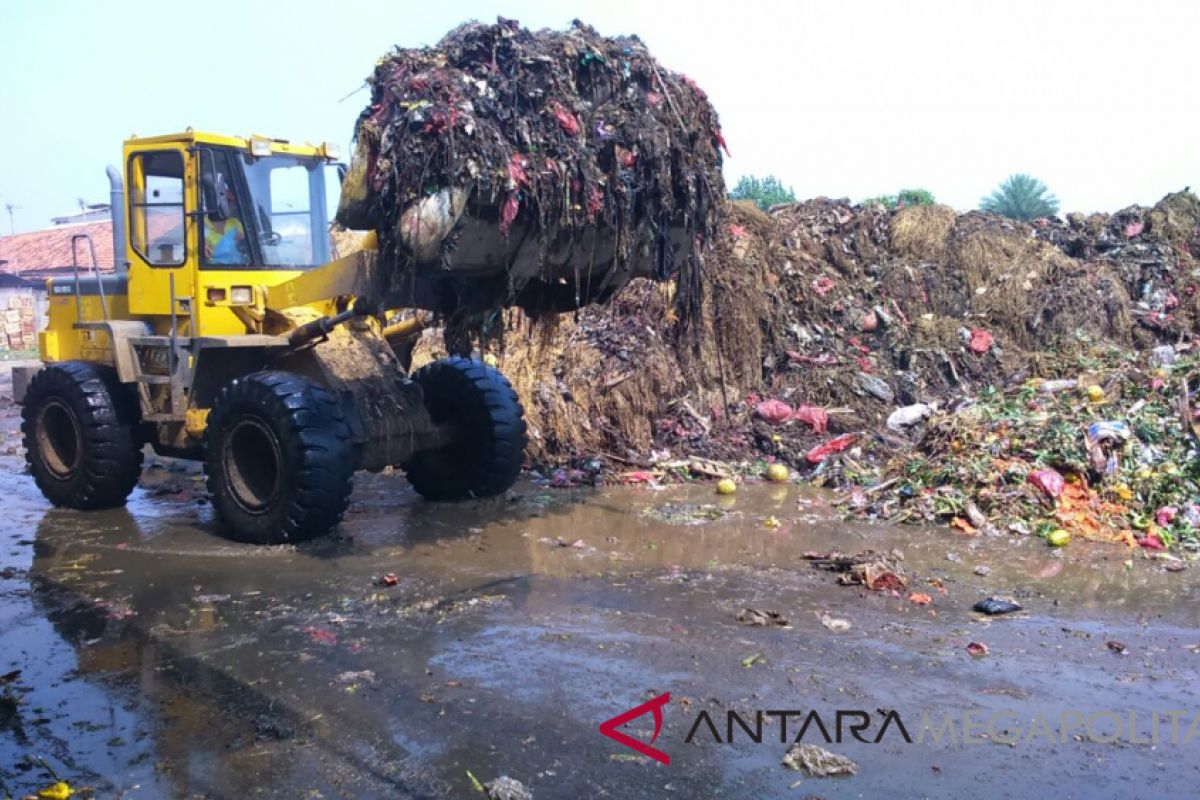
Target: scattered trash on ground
(818,762)
(752,659)
(977,649)
(835,624)
(756,618)
(993,606)
(876,571)
(506,788)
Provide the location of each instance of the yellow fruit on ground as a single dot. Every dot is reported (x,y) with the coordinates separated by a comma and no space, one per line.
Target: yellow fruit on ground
(777,473)
(726,486)
(1095,393)
(1058,538)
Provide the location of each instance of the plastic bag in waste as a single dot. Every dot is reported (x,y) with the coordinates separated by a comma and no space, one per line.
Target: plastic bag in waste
(1049,481)
(815,416)
(908,416)
(775,412)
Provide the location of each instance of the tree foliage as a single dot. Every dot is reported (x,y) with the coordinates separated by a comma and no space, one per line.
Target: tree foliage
(766,192)
(903,198)
(1021,197)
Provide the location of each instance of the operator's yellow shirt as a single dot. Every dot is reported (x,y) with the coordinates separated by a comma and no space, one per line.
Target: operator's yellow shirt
(221,244)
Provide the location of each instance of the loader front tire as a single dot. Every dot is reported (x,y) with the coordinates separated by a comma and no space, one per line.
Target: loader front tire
(279,458)
(489,446)
(79,426)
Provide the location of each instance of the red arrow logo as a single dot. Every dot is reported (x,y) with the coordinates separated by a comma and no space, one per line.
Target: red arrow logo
(609,728)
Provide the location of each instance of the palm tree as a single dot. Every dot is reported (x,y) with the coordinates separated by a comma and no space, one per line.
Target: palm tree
(1021,197)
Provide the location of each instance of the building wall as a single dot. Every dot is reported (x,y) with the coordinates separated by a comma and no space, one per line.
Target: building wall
(22,315)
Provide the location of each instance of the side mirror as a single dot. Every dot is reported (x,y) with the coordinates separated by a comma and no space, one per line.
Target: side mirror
(213,189)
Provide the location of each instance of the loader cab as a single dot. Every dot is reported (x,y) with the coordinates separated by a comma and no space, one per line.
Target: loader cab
(210,218)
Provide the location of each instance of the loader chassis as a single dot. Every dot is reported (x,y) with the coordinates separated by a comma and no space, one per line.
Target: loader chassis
(215,339)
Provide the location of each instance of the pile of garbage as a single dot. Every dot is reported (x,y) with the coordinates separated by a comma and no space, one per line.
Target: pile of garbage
(1108,450)
(835,338)
(540,169)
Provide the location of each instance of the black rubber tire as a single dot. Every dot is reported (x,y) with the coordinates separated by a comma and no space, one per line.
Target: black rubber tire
(279,458)
(488,452)
(80,430)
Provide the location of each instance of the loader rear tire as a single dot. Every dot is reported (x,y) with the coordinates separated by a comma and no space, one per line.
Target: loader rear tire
(489,445)
(79,426)
(279,458)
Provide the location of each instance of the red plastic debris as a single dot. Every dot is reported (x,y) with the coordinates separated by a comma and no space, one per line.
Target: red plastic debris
(814,416)
(977,649)
(1165,516)
(1151,541)
(389,580)
(1134,229)
(509,213)
(981,341)
(1048,480)
(320,635)
(836,445)
(516,170)
(775,412)
(566,120)
(720,137)
(822,285)
(859,346)
(737,231)
(595,202)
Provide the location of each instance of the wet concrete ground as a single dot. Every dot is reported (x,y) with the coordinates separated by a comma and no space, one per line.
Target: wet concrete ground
(158,660)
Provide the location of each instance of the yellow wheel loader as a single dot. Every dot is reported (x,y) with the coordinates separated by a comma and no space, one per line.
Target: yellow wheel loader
(230,332)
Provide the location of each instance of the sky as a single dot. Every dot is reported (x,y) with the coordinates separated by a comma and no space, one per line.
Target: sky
(843,99)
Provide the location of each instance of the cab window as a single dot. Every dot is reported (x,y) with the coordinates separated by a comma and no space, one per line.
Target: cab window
(290,199)
(156,207)
(223,223)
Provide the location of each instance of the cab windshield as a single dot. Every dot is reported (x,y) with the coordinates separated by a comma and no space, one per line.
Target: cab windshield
(292,203)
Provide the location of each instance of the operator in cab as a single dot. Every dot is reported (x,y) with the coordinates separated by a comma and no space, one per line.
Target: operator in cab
(224,234)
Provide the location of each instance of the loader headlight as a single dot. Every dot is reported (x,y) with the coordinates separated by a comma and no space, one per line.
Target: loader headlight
(241,295)
(331,151)
(260,146)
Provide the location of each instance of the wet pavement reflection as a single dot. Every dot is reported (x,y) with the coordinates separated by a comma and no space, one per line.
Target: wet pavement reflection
(159,660)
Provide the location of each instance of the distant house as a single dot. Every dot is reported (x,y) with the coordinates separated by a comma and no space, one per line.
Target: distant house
(28,259)
(38,255)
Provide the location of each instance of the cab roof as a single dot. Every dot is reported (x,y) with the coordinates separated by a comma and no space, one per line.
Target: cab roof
(191,136)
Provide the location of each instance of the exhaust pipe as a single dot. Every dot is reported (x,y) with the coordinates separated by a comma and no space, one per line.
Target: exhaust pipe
(116,199)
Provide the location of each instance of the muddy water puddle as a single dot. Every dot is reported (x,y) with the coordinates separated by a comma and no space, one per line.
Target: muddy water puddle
(427,640)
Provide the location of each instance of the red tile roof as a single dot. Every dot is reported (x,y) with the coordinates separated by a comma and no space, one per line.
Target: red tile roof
(51,248)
